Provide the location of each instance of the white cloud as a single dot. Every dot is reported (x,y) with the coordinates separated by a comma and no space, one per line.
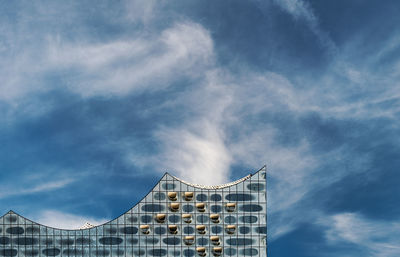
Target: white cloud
(49,186)
(199,156)
(378,238)
(40,187)
(19,76)
(119,67)
(300,9)
(63,220)
(143,11)
(148,63)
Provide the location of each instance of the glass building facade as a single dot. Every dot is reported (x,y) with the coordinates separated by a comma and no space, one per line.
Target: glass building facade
(175,218)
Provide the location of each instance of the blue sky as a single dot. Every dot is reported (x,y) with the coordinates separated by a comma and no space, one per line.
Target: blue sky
(99,98)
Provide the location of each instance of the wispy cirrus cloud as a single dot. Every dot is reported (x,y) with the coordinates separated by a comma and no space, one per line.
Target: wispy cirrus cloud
(8,191)
(116,68)
(142,11)
(378,238)
(121,67)
(301,10)
(197,154)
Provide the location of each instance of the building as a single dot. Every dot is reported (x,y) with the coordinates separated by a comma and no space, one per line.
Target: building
(175,218)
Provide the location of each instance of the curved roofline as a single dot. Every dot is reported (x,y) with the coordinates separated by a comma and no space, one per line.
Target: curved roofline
(213,187)
(222,186)
(165,174)
(94,226)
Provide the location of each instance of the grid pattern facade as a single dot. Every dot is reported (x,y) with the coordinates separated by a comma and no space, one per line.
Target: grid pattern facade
(174,219)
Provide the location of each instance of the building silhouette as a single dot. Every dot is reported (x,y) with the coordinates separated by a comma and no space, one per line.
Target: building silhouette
(175,218)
